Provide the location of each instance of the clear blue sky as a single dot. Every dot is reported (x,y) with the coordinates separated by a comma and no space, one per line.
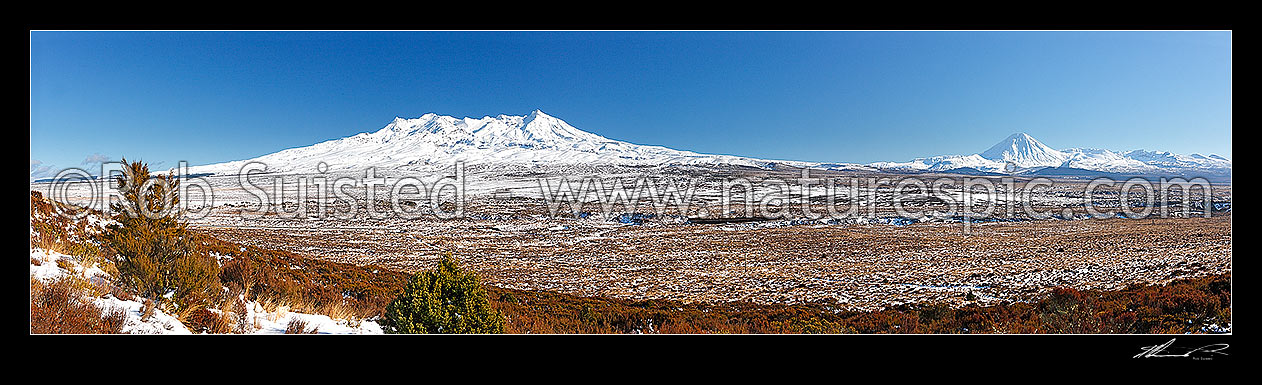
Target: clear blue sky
(208,97)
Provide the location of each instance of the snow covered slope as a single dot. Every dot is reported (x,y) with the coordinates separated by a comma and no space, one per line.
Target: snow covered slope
(439,141)
(1024,151)
(1028,155)
(540,140)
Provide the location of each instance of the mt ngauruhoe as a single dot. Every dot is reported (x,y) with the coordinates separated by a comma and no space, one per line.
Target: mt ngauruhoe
(1022,154)
(538,139)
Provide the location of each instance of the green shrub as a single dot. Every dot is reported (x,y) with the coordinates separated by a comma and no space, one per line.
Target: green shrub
(156,256)
(443,300)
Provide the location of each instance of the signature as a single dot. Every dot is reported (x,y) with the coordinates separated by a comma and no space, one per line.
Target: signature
(1201,352)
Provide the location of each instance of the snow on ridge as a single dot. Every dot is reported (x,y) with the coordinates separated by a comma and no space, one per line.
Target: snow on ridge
(433,140)
(1028,154)
(537,139)
(1024,151)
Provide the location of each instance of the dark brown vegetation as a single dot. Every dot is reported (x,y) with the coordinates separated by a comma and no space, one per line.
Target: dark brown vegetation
(306,285)
(271,277)
(61,307)
(58,233)
(205,321)
(344,290)
(1182,306)
(868,266)
(299,326)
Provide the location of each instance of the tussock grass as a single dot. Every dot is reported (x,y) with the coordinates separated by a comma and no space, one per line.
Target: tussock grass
(63,307)
(299,326)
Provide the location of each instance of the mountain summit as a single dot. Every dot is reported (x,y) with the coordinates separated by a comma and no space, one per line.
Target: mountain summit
(432,140)
(537,139)
(1031,156)
(1025,151)
(535,130)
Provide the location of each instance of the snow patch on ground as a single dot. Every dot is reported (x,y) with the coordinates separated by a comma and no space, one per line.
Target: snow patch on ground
(158,323)
(49,270)
(275,322)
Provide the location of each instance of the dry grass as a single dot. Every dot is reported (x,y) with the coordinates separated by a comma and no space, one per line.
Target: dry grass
(276,278)
(208,321)
(1182,306)
(57,233)
(63,307)
(299,326)
(278,308)
(241,317)
(148,309)
(284,282)
(868,266)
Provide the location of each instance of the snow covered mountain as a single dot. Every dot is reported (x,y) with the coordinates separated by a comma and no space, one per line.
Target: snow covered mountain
(1024,151)
(540,140)
(439,141)
(1022,154)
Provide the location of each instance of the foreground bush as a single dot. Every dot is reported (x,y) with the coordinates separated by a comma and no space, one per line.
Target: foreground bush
(50,230)
(443,300)
(63,307)
(156,256)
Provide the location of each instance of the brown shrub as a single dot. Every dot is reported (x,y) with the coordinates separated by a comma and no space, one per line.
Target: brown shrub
(1183,306)
(205,321)
(56,232)
(121,293)
(241,320)
(338,290)
(238,275)
(114,319)
(299,326)
(148,308)
(61,307)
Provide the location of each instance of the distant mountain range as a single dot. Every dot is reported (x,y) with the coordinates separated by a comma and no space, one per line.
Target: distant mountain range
(538,139)
(1022,154)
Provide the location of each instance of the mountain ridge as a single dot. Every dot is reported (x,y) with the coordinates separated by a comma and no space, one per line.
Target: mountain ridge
(1020,153)
(538,139)
(535,139)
